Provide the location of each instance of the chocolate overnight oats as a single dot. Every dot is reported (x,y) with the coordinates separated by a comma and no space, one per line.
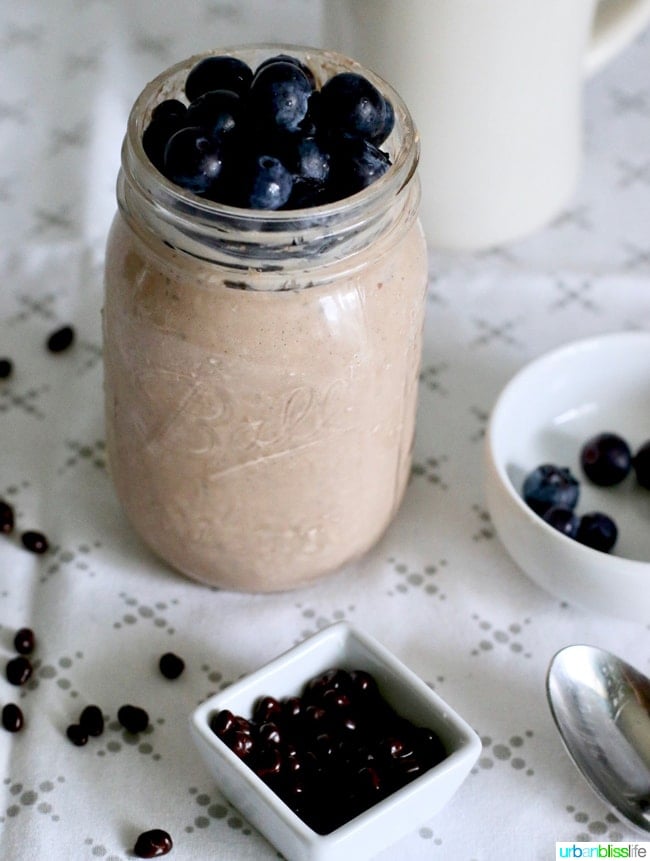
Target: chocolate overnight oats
(261,366)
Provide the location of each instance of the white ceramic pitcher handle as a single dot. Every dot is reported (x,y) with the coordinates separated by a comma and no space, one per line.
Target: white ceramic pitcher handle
(616,24)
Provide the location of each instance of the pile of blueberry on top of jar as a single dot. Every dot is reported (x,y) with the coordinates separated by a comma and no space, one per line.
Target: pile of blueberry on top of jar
(270,138)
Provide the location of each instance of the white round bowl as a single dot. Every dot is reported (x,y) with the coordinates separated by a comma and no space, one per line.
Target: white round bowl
(544,415)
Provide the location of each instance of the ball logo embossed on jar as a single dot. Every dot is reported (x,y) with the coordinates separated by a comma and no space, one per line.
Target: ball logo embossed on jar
(235,429)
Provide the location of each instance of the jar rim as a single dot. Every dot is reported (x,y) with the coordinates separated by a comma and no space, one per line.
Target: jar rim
(404,159)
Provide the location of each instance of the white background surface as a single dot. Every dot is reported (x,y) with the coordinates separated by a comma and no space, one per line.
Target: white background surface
(438,590)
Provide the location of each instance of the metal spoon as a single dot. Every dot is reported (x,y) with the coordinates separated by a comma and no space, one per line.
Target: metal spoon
(601,706)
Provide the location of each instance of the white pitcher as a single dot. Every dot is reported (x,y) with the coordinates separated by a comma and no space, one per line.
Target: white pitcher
(495,87)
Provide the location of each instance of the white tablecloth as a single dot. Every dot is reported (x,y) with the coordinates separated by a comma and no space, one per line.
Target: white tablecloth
(439,590)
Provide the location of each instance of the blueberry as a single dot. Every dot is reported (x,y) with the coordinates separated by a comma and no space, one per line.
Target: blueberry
(218,73)
(356,165)
(278,98)
(287,58)
(268,184)
(597,530)
(387,126)
(217,112)
(192,159)
(309,164)
(311,161)
(157,135)
(641,464)
(353,107)
(305,156)
(169,109)
(550,485)
(307,193)
(565,520)
(606,459)
(311,125)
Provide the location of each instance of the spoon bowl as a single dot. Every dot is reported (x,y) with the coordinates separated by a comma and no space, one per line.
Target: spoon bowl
(601,706)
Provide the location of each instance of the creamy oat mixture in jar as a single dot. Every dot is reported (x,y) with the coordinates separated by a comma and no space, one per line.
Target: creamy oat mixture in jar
(261,367)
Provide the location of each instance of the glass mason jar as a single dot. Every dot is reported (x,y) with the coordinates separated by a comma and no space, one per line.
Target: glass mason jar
(261,368)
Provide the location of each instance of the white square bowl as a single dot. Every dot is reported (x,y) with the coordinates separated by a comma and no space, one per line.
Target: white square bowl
(338,646)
